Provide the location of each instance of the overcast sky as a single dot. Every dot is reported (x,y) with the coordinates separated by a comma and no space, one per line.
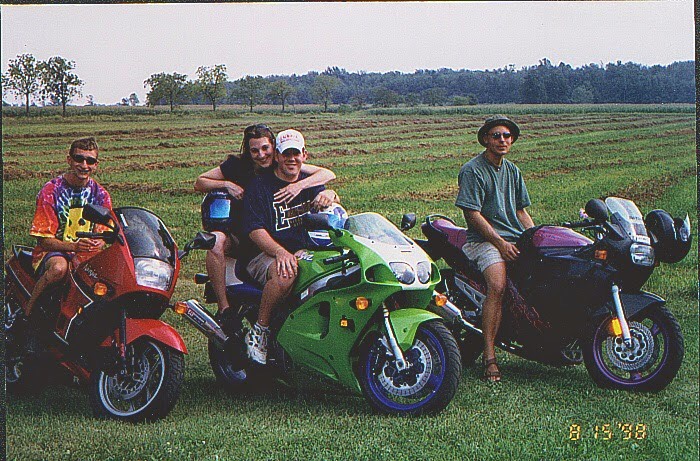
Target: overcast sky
(117,47)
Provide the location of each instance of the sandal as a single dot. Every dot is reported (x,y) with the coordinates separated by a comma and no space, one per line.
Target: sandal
(491,376)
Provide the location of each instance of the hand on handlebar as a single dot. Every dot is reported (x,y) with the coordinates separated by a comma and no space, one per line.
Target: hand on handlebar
(88,245)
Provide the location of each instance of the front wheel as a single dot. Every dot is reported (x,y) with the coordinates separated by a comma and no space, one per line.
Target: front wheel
(428,383)
(649,365)
(146,388)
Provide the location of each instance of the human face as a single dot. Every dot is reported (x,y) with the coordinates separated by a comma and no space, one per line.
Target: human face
(497,144)
(261,151)
(80,168)
(289,164)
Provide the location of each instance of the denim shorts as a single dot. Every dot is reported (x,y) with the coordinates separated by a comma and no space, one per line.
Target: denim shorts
(484,254)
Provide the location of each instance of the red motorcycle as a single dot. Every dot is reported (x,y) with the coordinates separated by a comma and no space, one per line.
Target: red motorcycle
(102,323)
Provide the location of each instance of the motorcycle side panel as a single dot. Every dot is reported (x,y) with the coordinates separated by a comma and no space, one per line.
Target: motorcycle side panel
(160,331)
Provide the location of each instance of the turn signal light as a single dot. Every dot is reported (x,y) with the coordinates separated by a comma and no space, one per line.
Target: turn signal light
(439,299)
(100,289)
(180,308)
(601,254)
(361,303)
(616,327)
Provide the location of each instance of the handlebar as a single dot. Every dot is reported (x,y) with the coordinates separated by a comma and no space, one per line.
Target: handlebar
(575,225)
(93,235)
(336,259)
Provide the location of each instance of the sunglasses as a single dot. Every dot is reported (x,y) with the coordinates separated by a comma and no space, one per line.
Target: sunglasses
(497,135)
(253,128)
(80,159)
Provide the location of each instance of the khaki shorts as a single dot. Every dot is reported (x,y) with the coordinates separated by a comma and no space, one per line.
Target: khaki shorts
(484,254)
(258,266)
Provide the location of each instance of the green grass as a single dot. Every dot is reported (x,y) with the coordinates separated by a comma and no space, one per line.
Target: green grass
(391,162)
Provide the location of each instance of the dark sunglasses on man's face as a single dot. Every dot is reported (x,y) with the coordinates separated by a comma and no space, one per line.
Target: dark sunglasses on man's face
(81,158)
(497,135)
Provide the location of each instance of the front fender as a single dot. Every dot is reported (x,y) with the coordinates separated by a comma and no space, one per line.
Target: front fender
(632,303)
(405,323)
(156,329)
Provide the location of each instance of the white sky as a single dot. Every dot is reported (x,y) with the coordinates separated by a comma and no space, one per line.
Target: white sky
(117,47)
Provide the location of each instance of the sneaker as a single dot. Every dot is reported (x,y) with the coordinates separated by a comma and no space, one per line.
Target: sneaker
(256,340)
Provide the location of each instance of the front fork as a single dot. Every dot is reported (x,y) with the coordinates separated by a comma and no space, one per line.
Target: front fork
(400,360)
(620,314)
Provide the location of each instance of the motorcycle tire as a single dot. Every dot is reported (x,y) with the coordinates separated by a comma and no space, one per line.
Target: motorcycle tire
(147,392)
(428,384)
(230,365)
(471,345)
(652,362)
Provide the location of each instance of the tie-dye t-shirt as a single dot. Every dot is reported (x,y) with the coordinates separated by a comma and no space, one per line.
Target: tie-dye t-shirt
(59,211)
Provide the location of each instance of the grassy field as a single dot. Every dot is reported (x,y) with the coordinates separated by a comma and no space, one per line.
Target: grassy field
(391,163)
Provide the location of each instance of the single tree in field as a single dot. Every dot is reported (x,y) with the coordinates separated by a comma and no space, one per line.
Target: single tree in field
(22,78)
(133,99)
(59,84)
(323,88)
(211,83)
(281,91)
(251,90)
(170,88)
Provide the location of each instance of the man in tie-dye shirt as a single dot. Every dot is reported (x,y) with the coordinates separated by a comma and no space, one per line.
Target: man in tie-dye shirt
(59,215)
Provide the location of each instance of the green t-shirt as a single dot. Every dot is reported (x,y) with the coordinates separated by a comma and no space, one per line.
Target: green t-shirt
(495,192)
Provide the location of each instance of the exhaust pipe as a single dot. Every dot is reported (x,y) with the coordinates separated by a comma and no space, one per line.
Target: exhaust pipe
(202,320)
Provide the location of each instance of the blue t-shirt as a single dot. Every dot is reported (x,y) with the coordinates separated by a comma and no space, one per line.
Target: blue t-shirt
(282,221)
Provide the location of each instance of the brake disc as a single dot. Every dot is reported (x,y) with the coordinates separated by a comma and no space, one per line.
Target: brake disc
(631,358)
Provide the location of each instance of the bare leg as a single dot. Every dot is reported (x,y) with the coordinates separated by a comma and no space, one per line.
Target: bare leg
(216,268)
(276,289)
(56,270)
(495,276)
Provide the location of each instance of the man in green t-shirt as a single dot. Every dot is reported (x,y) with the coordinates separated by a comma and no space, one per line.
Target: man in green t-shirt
(493,197)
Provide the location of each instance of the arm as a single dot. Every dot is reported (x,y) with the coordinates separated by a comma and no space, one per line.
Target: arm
(325,198)
(214,179)
(318,176)
(286,262)
(54,244)
(524,218)
(477,221)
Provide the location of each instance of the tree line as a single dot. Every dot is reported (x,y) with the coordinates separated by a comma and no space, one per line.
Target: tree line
(544,83)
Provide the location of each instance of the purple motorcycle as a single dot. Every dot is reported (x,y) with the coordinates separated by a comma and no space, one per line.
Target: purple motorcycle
(573,299)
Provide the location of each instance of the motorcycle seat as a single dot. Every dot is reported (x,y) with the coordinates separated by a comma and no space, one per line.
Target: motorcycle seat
(456,236)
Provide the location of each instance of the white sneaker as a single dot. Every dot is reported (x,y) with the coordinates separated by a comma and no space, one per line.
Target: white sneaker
(256,340)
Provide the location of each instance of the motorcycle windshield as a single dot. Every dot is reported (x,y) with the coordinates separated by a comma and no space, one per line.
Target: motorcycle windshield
(625,214)
(146,234)
(375,227)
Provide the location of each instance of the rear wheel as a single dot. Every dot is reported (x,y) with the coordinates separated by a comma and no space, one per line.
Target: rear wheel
(649,365)
(146,389)
(426,386)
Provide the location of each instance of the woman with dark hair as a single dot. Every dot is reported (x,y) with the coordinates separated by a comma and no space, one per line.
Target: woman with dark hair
(233,175)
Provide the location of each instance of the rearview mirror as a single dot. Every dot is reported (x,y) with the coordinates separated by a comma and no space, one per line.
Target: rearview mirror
(203,241)
(408,221)
(97,214)
(596,209)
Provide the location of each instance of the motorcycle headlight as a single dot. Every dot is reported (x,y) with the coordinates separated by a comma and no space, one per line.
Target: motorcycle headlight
(403,272)
(642,255)
(423,271)
(153,273)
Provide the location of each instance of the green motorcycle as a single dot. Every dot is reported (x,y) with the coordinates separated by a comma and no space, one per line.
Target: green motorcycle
(356,316)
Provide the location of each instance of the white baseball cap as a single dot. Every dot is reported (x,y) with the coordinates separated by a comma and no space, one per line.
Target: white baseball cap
(289,139)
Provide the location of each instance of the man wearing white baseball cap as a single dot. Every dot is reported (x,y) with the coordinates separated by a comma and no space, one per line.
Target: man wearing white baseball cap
(274,225)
